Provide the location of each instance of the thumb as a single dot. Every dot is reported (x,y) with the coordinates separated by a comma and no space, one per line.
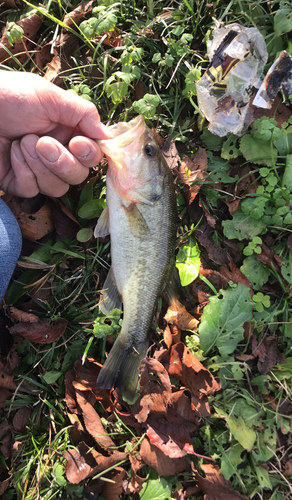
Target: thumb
(68,109)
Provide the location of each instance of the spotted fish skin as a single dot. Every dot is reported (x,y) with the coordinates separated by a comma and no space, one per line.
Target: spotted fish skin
(141,219)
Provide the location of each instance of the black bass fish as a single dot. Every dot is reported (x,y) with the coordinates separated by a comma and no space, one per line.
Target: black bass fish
(140,217)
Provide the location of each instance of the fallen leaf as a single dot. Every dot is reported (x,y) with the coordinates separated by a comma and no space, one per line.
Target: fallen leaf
(33,226)
(204,236)
(113,38)
(78,14)
(93,423)
(4,395)
(178,315)
(41,332)
(21,419)
(269,257)
(112,491)
(85,461)
(155,458)
(167,336)
(288,467)
(184,494)
(70,392)
(6,438)
(65,223)
(182,405)
(279,111)
(139,91)
(155,390)
(170,153)
(6,381)
(268,353)
(238,191)
(184,366)
(215,486)
(234,274)
(192,170)
(85,380)
(18,315)
(30,26)
(77,469)
(209,217)
(171,438)
(77,431)
(4,484)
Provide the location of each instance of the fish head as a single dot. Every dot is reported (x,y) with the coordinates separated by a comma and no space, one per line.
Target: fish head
(135,162)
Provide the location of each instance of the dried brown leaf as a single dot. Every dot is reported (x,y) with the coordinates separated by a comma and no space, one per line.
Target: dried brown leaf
(215,486)
(84,462)
(70,392)
(65,222)
(204,236)
(30,26)
(156,459)
(21,419)
(18,315)
(184,366)
(78,14)
(93,423)
(6,439)
(170,153)
(41,332)
(4,484)
(6,381)
(154,396)
(77,467)
(288,467)
(33,227)
(4,395)
(234,274)
(269,257)
(112,491)
(171,438)
(77,431)
(178,315)
(268,353)
(279,111)
(85,379)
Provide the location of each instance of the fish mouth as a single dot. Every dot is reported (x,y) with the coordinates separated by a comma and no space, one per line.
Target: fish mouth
(123,137)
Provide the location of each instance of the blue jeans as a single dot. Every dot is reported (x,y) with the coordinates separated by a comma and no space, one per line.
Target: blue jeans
(10,246)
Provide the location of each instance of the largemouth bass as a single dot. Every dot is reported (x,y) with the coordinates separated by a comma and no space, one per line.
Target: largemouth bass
(140,217)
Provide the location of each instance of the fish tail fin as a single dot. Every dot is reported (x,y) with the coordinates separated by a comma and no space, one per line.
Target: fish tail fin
(121,369)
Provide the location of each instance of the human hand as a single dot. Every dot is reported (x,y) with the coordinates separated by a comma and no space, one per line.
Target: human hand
(37,121)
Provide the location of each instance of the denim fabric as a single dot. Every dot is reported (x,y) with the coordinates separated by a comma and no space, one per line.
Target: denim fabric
(10,245)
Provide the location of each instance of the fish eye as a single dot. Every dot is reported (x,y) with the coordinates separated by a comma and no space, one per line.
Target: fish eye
(150,150)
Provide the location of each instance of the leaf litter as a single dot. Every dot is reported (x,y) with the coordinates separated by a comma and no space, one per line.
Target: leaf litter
(175,415)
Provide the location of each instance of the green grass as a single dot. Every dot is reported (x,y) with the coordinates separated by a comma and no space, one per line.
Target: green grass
(163,46)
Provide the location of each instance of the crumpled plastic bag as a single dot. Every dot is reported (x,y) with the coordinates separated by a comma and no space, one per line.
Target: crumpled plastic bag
(279,77)
(237,58)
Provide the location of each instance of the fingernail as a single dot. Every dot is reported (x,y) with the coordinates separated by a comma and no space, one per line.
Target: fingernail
(81,149)
(17,151)
(48,150)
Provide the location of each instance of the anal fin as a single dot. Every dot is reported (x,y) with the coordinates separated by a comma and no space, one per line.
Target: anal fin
(110,299)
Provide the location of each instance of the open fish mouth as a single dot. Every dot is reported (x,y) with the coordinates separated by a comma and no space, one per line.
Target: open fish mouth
(122,138)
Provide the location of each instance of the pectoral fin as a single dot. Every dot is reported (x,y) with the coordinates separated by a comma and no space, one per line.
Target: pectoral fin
(102,226)
(110,299)
(137,224)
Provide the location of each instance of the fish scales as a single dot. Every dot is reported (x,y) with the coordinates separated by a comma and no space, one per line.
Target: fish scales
(142,252)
